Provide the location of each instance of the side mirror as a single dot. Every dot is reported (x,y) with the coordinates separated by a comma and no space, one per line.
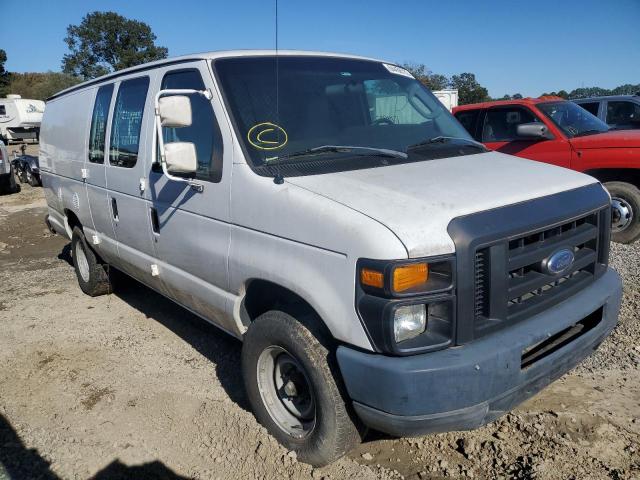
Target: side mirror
(533,130)
(175,111)
(181,157)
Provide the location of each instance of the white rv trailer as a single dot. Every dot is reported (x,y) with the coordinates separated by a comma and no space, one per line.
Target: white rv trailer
(448,97)
(20,118)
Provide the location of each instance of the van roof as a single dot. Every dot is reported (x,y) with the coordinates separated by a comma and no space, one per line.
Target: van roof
(205,56)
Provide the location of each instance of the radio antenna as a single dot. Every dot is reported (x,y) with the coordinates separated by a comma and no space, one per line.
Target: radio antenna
(278,178)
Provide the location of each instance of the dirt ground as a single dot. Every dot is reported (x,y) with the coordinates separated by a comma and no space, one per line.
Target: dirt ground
(130,385)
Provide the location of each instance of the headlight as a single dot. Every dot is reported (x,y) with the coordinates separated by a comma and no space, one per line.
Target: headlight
(409,321)
(407,306)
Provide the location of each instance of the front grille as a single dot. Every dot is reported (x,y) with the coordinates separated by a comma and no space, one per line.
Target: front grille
(510,282)
(481,287)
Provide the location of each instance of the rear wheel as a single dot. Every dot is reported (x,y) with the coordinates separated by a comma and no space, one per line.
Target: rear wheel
(293,385)
(31,178)
(90,270)
(625,211)
(22,177)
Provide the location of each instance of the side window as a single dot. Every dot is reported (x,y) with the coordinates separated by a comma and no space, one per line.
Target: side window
(469,119)
(501,124)
(204,131)
(127,122)
(99,123)
(3,110)
(591,107)
(623,113)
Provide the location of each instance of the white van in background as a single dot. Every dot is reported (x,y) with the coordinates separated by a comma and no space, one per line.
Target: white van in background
(20,118)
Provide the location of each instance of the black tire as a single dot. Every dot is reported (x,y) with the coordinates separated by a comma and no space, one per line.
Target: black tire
(334,430)
(31,178)
(21,175)
(93,277)
(625,198)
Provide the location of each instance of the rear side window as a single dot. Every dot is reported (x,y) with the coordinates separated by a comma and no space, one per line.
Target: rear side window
(469,119)
(99,123)
(623,113)
(591,107)
(127,122)
(3,110)
(501,124)
(204,132)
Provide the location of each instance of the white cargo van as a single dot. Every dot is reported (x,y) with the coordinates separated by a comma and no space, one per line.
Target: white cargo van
(383,269)
(20,118)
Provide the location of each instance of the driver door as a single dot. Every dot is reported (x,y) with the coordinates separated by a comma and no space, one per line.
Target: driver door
(499,132)
(191,228)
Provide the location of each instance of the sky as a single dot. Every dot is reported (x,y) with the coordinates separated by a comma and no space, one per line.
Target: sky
(512,46)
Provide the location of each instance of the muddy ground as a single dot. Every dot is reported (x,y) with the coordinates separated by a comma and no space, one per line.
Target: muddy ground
(130,385)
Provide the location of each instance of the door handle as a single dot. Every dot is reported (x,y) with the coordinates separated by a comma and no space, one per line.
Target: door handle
(114,209)
(155,222)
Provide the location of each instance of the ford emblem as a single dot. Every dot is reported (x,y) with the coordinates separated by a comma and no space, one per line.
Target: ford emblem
(558,261)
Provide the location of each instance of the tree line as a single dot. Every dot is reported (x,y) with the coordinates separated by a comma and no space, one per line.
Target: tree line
(104,42)
(470,90)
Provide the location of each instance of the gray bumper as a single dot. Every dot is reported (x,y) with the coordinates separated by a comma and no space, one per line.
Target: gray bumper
(465,387)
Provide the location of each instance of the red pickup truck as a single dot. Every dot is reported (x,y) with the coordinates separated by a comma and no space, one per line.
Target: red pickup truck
(553,130)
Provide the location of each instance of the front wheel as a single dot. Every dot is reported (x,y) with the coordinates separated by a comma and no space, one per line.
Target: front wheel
(292,382)
(625,211)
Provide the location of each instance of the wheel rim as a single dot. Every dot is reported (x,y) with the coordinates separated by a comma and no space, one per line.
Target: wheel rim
(286,391)
(82,262)
(621,214)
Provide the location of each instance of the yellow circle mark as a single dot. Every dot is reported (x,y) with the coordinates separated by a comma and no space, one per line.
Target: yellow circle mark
(255,134)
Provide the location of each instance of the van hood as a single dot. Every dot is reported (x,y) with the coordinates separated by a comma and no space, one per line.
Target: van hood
(416,201)
(610,139)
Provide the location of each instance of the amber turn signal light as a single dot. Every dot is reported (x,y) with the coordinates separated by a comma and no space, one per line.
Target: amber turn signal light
(407,277)
(371,278)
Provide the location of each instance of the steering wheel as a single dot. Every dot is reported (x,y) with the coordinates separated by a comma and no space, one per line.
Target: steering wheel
(383,121)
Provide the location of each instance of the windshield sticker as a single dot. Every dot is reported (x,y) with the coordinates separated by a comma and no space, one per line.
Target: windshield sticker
(267,136)
(398,70)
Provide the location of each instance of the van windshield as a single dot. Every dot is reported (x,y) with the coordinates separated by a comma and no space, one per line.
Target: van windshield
(333,114)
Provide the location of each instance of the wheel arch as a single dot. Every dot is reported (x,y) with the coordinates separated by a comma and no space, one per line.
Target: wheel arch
(71,221)
(627,175)
(261,296)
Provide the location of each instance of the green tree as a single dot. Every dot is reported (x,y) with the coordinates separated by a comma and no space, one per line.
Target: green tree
(469,90)
(105,42)
(40,85)
(626,89)
(5,76)
(433,81)
(584,92)
(515,96)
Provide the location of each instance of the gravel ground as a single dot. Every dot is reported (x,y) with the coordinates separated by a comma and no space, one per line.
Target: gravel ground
(130,385)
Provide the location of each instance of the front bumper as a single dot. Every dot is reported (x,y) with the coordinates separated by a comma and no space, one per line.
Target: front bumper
(464,387)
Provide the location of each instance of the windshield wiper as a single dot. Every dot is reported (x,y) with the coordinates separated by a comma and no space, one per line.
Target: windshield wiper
(445,139)
(376,152)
